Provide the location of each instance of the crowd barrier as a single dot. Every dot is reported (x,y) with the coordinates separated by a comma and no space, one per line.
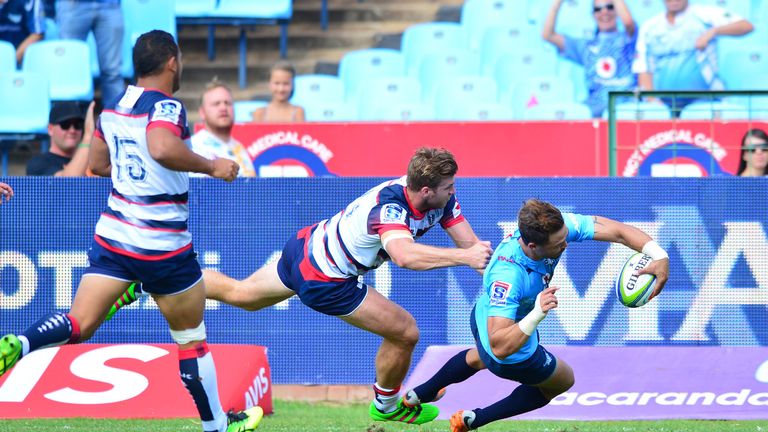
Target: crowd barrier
(714,230)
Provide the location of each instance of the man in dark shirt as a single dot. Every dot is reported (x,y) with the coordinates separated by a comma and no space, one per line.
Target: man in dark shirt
(68,155)
(22,23)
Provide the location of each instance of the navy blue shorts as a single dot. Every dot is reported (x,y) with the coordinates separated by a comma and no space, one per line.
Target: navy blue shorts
(336,297)
(168,276)
(531,371)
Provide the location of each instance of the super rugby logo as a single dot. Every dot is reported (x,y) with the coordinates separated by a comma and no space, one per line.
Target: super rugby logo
(679,153)
(499,293)
(290,154)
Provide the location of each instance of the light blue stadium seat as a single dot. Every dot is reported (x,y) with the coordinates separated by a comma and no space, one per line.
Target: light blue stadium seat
(574,19)
(244,110)
(739,7)
(91,41)
(482,111)
(27,116)
(446,64)
(530,92)
(308,89)
(404,112)
(478,15)
(7,57)
(141,16)
(558,111)
(385,91)
(522,64)
(339,111)
(452,92)
(51,29)
(194,8)
(576,74)
(642,111)
(66,64)
(756,105)
(500,41)
(745,69)
(363,65)
(714,111)
(642,10)
(421,39)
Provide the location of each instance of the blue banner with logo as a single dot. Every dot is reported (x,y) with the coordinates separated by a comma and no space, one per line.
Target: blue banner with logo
(714,230)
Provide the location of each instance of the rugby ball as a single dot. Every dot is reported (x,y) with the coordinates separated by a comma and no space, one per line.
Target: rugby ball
(634,290)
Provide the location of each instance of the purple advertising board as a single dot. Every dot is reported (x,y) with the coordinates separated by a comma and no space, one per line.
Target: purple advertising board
(628,383)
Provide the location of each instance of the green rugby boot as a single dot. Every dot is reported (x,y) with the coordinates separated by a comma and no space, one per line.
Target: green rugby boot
(10,352)
(129,296)
(418,414)
(244,421)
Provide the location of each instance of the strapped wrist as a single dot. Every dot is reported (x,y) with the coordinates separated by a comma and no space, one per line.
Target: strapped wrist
(655,251)
(529,322)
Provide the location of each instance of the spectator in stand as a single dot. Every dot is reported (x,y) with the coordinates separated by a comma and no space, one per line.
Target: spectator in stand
(607,57)
(215,139)
(68,154)
(754,154)
(105,18)
(675,49)
(22,23)
(280,109)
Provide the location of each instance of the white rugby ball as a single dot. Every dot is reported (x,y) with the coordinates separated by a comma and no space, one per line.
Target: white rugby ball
(635,290)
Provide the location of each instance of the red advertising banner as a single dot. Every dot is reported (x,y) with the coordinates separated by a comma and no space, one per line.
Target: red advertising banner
(127,381)
(495,149)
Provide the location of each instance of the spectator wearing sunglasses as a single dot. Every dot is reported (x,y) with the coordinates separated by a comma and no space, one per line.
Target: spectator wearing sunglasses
(606,57)
(754,154)
(70,130)
(676,49)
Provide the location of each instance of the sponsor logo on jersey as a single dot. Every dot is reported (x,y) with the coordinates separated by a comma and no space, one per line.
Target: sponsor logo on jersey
(167,110)
(392,213)
(499,292)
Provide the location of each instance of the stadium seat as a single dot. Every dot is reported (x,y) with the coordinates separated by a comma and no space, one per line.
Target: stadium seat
(478,15)
(308,89)
(558,111)
(453,92)
(739,7)
(708,110)
(363,65)
(66,64)
(405,111)
(524,63)
(244,110)
(194,8)
(421,39)
(51,29)
(320,111)
(574,19)
(95,70)
(642,111)
(530,92)
(28,114)
(642,10)
(500,41)
(576,75)
(7,57)
(384,91)
(745,69)
(482,111)
(446,64)
(141,16)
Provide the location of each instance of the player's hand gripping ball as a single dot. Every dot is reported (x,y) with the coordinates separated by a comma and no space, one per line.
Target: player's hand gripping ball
(634,290)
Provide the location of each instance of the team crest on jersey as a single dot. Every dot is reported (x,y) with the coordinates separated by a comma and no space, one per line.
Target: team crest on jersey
(456,210)
(499,292)
(606,67)
(167,110)
(392,213)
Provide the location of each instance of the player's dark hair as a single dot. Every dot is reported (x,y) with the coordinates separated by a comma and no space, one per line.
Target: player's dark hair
(151,51)
(537,220)
(757,133)
(429,166)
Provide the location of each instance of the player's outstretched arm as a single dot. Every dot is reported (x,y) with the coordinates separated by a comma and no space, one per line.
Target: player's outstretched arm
(406,253)
(634,238)
(171,152)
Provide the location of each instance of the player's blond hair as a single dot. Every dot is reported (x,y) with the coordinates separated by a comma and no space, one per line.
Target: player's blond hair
(429,166)
(213,84)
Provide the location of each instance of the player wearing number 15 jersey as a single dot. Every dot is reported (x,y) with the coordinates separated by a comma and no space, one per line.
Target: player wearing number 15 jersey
(142,235)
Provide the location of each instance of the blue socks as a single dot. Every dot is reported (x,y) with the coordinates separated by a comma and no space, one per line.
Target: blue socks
(523,399)
(454,371)
(199,376)
(54,329)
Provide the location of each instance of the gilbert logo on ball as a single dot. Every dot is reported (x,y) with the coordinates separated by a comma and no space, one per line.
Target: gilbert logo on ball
(633,290)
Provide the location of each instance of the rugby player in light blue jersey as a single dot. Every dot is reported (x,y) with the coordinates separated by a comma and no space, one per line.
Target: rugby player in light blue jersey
(606,57)
(517,298)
